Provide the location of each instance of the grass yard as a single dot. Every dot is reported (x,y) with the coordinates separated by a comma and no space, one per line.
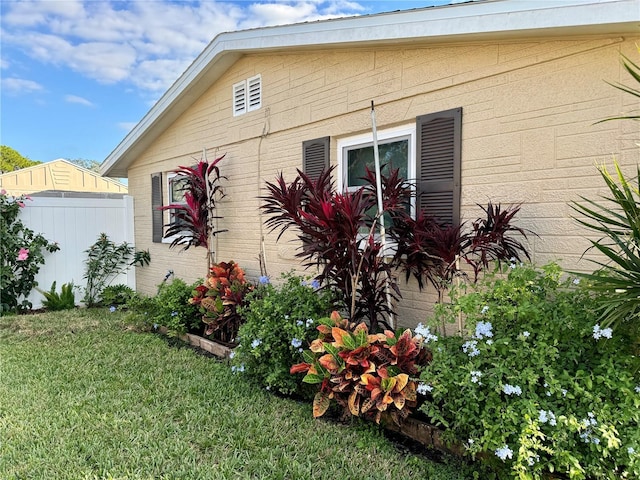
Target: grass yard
(82,397)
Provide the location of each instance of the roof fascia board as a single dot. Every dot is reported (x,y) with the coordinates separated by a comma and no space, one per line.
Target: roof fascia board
(481,20)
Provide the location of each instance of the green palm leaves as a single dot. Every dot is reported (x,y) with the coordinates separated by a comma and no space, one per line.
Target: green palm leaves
(618,278)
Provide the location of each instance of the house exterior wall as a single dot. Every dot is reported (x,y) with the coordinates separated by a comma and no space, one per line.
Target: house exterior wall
(528,136)
(58,175)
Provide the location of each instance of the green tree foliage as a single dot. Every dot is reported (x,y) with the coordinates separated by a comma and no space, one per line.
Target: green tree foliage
(92,165)
(11,160)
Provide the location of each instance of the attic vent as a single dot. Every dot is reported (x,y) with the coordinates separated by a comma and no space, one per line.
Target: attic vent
(239,98)
(247,95)
(254,86)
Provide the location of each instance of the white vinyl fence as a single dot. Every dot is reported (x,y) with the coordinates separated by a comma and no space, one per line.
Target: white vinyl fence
(76,223)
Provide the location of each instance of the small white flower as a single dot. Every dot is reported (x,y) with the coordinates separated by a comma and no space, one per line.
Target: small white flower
(576,281)
(485,309)
(299,323)
(425,333)
(631,450)
(504,452)
(232,354)
(309,322)
(483,329)
(296,343)
(475,377)
(256,343)
(489,342)
(599,333)
(564,392)
(512,389)
(423,388)
(470,347)
(637,389)
(526,334)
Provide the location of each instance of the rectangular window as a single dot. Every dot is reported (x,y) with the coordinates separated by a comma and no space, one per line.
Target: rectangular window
(175,194)
(395,148)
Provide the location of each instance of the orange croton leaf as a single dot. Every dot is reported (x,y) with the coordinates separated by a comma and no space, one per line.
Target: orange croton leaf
(354,403)
(387,399)
(335,316)
(324,329)
(367,405)
(370,381)
(329,362)
(361,327)
(300,368)
(399,401)
(389,334)
(401,381)
(405,345)
(320,404)
(409,391)
(317,346)
(375,393)
(338,334)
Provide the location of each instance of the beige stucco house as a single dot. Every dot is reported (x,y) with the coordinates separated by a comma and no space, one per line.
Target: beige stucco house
(58,176)
(512,89)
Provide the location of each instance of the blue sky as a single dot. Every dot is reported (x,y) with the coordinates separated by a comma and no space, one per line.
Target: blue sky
(77,75)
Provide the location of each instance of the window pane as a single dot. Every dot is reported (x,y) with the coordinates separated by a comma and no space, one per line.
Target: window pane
(392,155)
(176,189)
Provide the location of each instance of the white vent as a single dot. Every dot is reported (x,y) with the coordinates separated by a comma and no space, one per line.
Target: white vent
(254,87)
(240,98)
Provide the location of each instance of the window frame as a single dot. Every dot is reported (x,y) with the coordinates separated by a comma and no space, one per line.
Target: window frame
(384,136)
(167,215)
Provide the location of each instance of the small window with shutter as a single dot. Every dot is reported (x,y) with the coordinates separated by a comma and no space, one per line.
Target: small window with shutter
(239,98)
(426,154)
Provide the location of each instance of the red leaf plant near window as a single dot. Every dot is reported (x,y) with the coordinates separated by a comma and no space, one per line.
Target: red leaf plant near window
(193,221)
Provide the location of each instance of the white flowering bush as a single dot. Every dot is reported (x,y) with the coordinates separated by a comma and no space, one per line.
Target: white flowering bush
(280,323)
(536,385)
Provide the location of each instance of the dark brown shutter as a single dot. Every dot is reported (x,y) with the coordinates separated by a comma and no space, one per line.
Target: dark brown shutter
(438,170)
(156,202)
(315,156)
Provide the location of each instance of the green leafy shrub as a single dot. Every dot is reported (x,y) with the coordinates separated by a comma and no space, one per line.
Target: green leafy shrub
(280,321)
(174,310)
(169,308)
(114,295)
(54,301)
(22,254)
(537,384)
(105,261)
(366,374)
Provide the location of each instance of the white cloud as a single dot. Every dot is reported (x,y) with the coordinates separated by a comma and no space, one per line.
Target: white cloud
(20,86)
(145,44)
(78,100)
(127,126)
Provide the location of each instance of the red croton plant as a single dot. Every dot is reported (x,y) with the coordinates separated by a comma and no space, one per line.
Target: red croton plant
(366,374)
(219,297)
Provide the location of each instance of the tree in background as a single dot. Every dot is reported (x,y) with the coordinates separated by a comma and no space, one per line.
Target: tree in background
(92,165)
(11,160)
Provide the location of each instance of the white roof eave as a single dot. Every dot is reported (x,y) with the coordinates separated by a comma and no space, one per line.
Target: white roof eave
(470,21)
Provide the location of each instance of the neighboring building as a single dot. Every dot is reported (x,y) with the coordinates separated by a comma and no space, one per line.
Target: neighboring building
(58,176)
(512,89)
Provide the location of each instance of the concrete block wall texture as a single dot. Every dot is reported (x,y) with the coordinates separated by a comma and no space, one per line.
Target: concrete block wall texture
(528,136)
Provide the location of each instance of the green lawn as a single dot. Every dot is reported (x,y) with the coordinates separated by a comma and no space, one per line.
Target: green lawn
(82,397)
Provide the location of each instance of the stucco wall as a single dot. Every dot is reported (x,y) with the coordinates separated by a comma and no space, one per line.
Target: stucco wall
(528,132)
